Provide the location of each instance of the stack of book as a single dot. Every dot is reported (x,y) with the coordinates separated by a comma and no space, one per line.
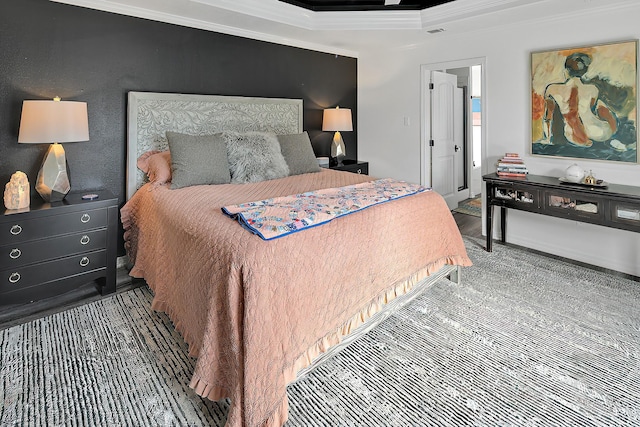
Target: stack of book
(511,165)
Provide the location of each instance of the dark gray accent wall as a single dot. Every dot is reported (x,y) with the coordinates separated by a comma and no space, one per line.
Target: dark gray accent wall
(49,49)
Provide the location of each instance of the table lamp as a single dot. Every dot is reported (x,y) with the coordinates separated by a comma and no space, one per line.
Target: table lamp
(337,119)
(45,121)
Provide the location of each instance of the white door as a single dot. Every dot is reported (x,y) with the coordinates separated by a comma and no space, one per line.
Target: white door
(443,155)
(459,144)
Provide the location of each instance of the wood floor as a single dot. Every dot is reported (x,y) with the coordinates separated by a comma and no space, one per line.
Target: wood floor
(15,314)
(469,225)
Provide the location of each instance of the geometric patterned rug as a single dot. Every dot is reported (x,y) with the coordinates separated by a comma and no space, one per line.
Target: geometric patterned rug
(524,340)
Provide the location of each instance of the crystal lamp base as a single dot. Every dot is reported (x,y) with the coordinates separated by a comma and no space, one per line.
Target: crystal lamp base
(53,177)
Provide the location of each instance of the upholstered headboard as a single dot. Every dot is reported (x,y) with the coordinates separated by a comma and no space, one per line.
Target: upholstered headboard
(150,115)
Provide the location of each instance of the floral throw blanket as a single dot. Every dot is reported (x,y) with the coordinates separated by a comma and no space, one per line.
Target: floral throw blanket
(279,216)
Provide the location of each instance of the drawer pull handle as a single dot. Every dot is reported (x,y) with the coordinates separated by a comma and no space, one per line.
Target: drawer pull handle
(84,240)
(14,278)
(15,253)
(16,229)
(359,170)
(84,261)
(85,218)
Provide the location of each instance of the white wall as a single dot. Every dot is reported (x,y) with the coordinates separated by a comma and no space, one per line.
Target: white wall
(389,91)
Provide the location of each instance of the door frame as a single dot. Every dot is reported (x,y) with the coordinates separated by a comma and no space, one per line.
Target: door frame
(425,121)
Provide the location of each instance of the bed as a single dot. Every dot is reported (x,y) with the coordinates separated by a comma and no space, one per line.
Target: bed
(258,313)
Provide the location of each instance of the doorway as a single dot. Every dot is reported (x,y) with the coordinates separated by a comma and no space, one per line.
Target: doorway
(453,165)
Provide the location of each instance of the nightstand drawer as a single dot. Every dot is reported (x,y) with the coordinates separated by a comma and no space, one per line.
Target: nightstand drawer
(353,166)
(37,274)
(361,169)
(24,230)
(23,253)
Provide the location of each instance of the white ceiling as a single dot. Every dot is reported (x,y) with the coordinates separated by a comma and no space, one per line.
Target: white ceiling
(346,33)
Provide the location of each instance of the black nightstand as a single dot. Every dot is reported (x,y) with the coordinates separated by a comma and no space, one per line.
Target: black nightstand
(55,247)
(353,166)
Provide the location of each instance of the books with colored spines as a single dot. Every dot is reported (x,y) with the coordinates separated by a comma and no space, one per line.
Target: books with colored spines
(512,165)
(511,160)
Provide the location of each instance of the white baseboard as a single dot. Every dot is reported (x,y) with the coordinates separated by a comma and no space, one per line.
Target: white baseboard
(595,258)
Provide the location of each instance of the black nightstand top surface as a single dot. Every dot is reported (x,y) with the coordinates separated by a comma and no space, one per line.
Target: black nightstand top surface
(73,201)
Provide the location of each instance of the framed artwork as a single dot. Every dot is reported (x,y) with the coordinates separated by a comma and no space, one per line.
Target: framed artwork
(583,102)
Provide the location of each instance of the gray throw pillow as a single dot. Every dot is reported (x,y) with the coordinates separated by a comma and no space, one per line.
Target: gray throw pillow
(254,157)
(198,160)
(298,153)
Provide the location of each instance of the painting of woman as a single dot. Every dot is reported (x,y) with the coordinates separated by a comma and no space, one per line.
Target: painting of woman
(583,103)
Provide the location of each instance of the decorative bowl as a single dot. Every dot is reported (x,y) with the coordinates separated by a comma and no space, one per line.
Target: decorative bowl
(574,173)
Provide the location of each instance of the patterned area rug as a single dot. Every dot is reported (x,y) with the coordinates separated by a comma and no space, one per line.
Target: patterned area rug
(470,207)
(525,340)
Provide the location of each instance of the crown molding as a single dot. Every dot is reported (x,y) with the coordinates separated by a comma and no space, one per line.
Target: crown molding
(592,7)
(463,9)
(288,14)
(272,10)
(368,20)
(154,15)
(282,23)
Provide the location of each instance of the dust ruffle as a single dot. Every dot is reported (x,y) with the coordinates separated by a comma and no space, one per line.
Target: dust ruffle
(280,415)
(400,288)
(192,343)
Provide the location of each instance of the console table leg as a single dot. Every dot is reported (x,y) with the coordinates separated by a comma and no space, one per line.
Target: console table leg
(489,220)
(503,224)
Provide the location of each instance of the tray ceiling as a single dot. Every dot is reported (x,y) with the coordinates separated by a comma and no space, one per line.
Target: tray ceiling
(364,5)
(350,32)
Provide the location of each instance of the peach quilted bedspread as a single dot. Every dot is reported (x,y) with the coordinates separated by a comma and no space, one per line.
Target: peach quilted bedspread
(255,312)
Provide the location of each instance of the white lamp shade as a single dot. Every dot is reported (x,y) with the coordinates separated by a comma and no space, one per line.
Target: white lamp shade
(45,121)
(337,119)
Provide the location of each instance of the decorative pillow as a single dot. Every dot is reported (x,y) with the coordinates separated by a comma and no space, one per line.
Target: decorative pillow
(143,160)
(160,168)
(254,157)
(298,153)
(157,165)
(197,160)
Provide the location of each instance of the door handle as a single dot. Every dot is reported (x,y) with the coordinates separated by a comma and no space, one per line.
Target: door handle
(456,148)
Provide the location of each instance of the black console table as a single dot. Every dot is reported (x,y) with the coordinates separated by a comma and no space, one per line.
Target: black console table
(616,206)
